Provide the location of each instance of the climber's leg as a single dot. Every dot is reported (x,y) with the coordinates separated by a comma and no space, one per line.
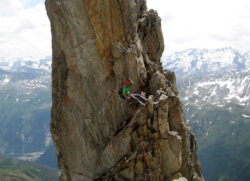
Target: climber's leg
(134,98)
(140,97)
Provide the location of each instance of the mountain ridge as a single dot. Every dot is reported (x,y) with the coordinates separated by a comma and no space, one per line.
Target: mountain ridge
(216,106)
(12,64)
(218,89)
(199,62)
(25,94)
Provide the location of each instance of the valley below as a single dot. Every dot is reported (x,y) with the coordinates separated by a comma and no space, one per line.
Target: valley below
(25,103)
(218,112)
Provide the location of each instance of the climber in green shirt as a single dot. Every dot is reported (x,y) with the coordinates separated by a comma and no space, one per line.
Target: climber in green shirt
(126,93)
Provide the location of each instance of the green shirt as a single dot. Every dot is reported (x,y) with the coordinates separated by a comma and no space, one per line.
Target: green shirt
(126,90)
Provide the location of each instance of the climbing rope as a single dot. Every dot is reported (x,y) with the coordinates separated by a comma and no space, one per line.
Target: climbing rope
(127,34)
(127,47)
(146,158)
(145,154)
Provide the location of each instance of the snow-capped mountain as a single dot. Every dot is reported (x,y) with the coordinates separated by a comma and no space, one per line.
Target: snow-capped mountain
(25,64)
(22,76)
(25,103)
(197,62)
(217,107)
(223,90)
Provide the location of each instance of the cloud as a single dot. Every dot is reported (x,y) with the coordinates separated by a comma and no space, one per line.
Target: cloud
(204,24)
(10,4)
(25,28)
(24,32)
(167,17)
(8,7)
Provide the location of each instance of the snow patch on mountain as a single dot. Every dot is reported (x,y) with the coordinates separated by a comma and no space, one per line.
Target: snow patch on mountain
(22,79)
(196,62)
(30,62)
(217,89)
(246,116)
(5,81)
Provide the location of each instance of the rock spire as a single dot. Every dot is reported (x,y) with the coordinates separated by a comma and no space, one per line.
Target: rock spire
(97,136)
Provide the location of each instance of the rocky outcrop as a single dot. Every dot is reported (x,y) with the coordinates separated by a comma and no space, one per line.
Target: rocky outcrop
(97,136)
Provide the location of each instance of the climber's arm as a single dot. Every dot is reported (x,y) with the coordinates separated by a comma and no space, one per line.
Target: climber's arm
(131,81)
(126,96)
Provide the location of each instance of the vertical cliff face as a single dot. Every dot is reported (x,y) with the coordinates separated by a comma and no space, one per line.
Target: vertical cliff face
(97,136)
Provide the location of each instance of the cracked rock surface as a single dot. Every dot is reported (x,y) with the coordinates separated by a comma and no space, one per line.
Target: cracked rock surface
(97,136)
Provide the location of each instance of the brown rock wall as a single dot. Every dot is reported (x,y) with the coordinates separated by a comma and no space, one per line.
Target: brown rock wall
(97,136)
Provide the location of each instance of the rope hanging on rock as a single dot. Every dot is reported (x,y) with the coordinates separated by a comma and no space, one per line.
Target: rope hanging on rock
(145,155)
(146,158)
(127,34)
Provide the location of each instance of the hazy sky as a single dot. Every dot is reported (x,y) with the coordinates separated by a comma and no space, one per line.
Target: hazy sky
(25,28)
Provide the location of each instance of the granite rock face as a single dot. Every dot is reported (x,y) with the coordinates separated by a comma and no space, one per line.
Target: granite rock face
(97,136)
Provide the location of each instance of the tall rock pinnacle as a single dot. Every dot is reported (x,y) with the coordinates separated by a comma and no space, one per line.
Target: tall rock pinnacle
(96,135)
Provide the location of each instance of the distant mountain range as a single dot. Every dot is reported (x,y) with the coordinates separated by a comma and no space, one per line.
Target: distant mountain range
(222,90)
(18,170)
(217,108)
(25,103)
(197,62)
(41,65)
(214,87)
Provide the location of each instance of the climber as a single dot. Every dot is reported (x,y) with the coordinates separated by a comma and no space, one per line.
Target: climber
(126,93)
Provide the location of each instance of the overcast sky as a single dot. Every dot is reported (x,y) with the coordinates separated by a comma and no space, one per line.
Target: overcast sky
(25,28)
